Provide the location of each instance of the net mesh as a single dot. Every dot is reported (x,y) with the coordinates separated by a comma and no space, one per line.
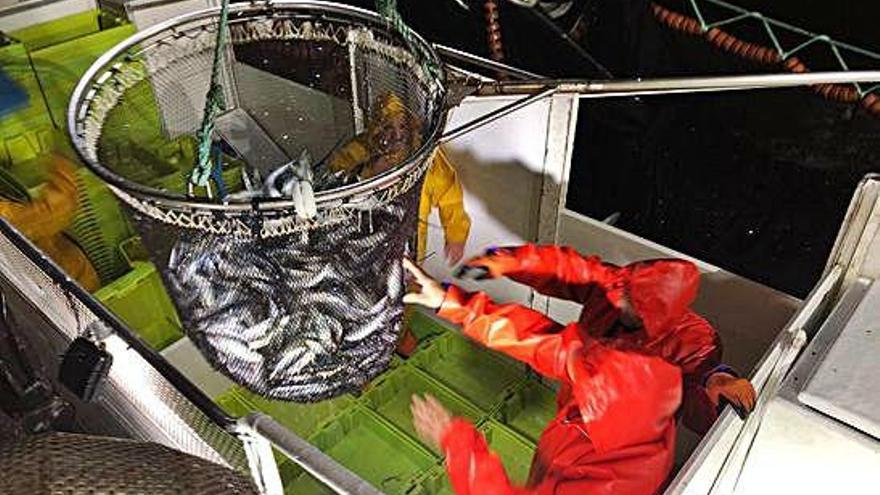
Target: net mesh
(79,464)
(293,306)
(137,400)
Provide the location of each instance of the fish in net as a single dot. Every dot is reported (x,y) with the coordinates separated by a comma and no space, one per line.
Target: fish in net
(294,300)
(309,317)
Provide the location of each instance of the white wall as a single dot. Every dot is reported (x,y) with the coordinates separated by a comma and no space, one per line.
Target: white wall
(502,169)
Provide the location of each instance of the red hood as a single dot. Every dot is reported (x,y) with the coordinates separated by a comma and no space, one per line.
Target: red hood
(660,292)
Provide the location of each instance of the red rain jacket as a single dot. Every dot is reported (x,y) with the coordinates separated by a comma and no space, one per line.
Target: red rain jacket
(615,427)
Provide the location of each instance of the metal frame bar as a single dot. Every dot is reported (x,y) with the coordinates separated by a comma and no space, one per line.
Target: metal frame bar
(664,86)
(495,115)
(163,367)
(538,89)
(309,457)
(462,56)
(693,478)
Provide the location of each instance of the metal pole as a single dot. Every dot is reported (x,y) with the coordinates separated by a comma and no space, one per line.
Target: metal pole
(495,115)
(455,54)
(641,87)
(551,24)
(316,463)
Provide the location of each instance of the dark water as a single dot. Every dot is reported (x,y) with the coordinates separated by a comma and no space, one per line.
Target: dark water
(755,182)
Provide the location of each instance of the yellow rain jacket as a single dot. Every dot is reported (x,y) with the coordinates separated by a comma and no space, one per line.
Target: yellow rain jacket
(441,190)
(44,219)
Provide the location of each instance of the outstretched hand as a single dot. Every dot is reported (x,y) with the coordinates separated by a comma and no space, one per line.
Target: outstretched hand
(484,267)
(429,292)
(430,419)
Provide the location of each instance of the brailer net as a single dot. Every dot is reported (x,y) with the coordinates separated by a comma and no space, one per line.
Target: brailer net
(293,302)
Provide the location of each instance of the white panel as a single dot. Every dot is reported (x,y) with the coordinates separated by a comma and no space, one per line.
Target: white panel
(15,16)
(792,453)
(184,356)
(145,13)
(501,167)
(844,385)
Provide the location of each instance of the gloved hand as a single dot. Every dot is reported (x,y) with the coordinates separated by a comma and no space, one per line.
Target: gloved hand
(739,392)
(492,264)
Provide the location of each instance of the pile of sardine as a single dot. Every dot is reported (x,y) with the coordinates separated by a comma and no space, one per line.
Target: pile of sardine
(300,318)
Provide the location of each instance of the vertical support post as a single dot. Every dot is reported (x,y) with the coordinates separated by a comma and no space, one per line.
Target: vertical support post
(356,109)
(261,461)
(561,124)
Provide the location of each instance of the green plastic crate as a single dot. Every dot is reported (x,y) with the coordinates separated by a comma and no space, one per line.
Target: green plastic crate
(529,410)
(368,446)
(140,300)
(302,419)
(391,395)
(514,451)
(423,326)
(59,30)
(474,372)
(433,482)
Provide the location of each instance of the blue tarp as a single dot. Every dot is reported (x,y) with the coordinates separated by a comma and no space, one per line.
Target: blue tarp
(12,96)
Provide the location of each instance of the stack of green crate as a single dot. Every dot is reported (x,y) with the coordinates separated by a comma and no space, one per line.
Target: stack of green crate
(372,435)
(139,299)
(60,53)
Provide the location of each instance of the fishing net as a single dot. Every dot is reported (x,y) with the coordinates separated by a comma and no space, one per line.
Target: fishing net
(295,300)
(77,464)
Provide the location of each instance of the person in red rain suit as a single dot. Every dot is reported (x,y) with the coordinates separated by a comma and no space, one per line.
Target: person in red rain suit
(635,303)
(622,366)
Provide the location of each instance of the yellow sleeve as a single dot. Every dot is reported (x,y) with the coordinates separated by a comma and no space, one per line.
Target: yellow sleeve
(51,212)
(445,193)
(349,156)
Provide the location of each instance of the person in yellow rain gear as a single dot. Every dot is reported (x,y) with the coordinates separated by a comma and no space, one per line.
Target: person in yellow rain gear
(392,133)
(44,218)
